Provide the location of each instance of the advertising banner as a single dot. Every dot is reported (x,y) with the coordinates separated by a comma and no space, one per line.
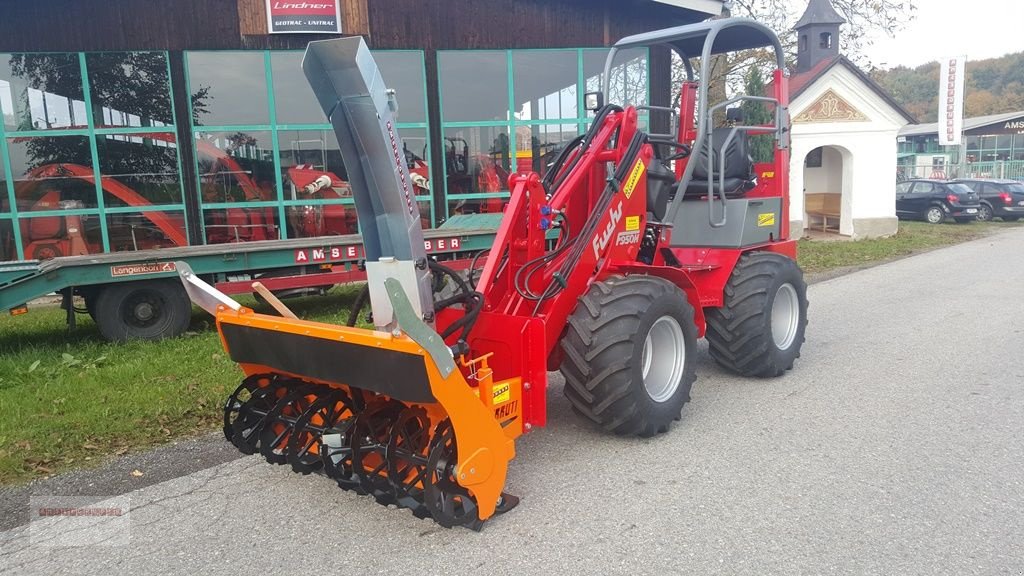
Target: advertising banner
(951,101)
(304,16)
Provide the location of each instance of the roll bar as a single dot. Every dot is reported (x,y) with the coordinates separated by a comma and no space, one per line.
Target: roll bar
(707,39)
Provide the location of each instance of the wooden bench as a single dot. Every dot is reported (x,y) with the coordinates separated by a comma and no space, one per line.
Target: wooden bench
(826,207)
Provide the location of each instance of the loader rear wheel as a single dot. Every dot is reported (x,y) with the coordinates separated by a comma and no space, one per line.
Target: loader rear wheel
(629,354)
(760,328)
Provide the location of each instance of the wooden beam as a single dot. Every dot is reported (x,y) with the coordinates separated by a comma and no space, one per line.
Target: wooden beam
(355,17)
(252,17)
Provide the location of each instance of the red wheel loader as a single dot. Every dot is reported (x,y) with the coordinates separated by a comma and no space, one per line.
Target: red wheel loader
(661,239)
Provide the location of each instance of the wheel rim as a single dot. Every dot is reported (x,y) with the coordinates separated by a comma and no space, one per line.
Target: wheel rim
(934,215)
(785,316)
(143,309)
(664,358)
(985,214)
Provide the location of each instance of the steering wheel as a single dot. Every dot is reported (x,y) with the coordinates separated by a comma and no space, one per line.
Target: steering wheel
(684,151)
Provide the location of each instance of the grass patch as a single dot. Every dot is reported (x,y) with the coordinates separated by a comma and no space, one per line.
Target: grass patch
(70,400)
(820,256)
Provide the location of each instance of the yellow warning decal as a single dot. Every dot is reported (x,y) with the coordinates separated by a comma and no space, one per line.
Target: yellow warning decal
(766,219)
(634,178)
(502,394)
(632,223)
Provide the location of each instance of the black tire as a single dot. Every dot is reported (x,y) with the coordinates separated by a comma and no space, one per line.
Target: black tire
(1010,218)
(934,215)
(985,213)
(740,334)
(604,354)
(148,310)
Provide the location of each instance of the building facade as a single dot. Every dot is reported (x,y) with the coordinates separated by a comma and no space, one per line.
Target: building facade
(133,124)
(992,147)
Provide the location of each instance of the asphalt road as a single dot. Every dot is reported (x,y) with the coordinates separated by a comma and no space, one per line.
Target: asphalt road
(896,446)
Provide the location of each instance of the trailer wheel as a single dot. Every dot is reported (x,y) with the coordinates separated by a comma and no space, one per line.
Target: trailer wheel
(149,310)
(630,354)
(760,328)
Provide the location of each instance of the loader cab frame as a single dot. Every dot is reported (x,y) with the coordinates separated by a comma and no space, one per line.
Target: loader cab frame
(712,163)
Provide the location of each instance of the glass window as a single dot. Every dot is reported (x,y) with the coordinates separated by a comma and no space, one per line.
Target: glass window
(306,156)
(8,246)
(41,91)
(628,83)
(294,101)
(228,88)
(537,146)
(924,188)
(1005,141)
(477,160)
(45,237)
(236,166)
(146,230)
(129,89)
(545,84)
(474,86)
(903,187)
(403,72)
(139,169)
(52,173)
(224,225)
(973,143)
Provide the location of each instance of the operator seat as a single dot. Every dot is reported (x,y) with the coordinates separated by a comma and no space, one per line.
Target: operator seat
(661,185)
(739,167)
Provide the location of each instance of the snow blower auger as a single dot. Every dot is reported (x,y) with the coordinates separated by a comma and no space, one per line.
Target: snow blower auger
(608,268)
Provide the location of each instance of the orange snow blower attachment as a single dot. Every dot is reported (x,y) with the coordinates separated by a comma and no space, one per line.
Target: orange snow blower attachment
(377,411)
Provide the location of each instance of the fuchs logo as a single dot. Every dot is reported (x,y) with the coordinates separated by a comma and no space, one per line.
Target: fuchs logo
(601,240)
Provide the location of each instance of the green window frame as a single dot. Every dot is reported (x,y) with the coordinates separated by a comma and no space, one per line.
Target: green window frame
(91,131)
(582,119)
(281,204)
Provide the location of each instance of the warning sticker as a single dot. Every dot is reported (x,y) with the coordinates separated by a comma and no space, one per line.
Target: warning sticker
(137,269)
(632,223)
(502,394)
(767,219)
(634,178)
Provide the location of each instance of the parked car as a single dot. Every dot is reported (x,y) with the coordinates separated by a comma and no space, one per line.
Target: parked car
(999,198)
(934,201)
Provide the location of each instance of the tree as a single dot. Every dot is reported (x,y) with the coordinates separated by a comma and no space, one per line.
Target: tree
(865,19)
(756,114)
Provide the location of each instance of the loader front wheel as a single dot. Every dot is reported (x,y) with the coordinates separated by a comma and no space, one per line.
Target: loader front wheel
(759,329)
(630,354)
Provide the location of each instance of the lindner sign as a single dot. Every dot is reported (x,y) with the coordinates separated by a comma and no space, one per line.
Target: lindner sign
(303,16)
(951,101)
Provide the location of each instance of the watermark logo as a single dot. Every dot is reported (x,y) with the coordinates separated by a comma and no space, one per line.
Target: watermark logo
(74,521)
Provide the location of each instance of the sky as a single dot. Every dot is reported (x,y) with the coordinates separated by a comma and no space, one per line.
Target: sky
(978,29)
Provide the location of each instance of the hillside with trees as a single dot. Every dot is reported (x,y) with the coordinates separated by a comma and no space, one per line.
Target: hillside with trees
(994,86)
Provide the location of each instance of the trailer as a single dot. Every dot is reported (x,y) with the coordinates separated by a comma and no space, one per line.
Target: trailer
(137,294)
